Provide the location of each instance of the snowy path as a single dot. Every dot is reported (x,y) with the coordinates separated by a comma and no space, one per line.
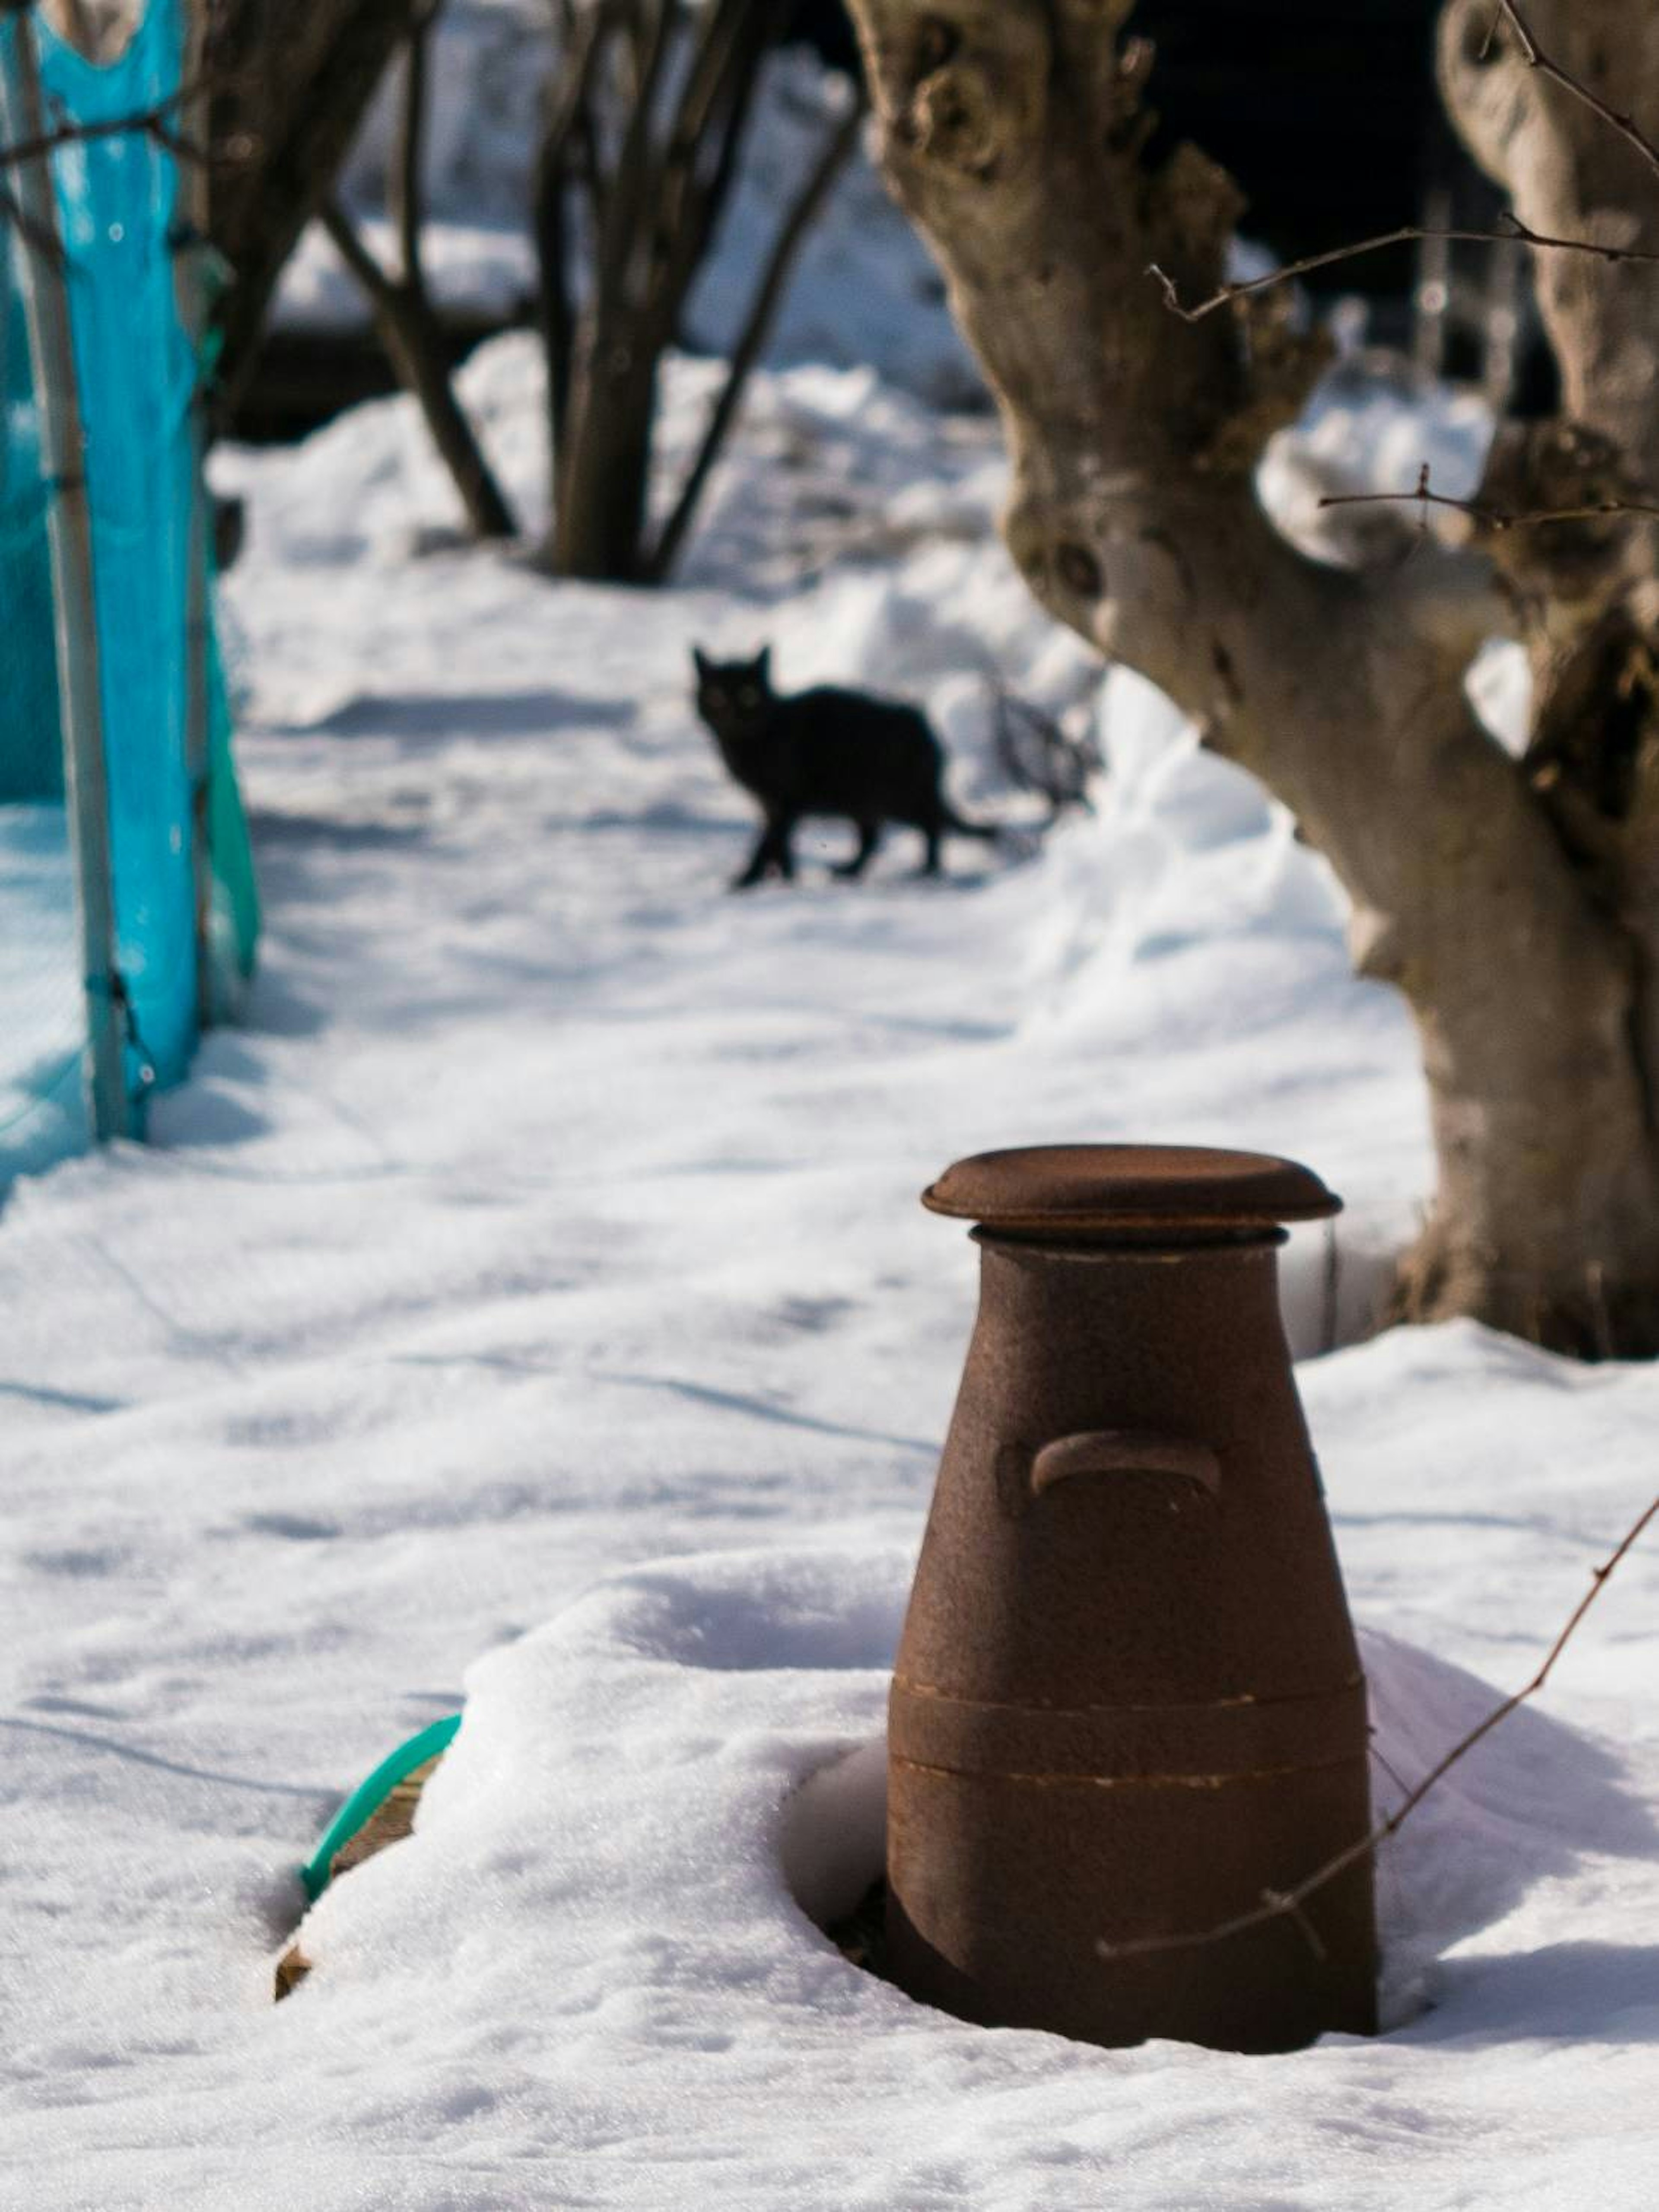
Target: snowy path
(41,1108)
(554,1220)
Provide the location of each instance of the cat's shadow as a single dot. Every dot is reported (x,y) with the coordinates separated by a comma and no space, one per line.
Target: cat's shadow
(416,721)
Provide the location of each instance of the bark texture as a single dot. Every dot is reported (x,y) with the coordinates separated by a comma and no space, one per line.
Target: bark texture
(288,86)
(1013,132)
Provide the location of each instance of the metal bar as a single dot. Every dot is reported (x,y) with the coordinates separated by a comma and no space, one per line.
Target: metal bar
(69,526)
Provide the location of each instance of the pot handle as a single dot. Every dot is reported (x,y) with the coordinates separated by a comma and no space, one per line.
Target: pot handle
(1125,1451)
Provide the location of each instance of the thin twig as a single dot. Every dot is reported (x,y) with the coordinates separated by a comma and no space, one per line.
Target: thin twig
(145,122)
(1278,1904)
(1491,517)
(1534,57)
(1516,232)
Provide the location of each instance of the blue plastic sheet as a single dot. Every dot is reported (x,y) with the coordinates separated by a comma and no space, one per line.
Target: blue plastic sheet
(42,1011)
(137,374)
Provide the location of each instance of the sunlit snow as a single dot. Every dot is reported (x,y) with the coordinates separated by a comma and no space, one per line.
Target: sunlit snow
(530,1310)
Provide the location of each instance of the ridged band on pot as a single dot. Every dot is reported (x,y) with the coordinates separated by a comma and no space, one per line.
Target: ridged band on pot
(1208,1745)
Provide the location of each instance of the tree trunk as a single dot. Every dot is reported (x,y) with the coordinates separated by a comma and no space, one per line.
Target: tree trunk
(603,476)
(681,92)
(1583,595)
(1011,132)
(289,87)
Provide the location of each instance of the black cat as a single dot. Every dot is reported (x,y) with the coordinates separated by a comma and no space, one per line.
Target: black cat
(826,752)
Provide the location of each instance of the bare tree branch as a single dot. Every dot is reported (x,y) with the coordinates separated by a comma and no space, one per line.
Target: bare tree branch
(289,86)
(413,337)
(666,111)
(152,122)
(763,310)
(717,77)
(1491,517)
(409,325)
(1281,1904)
(569,121)
(1515,233)
(1534,57)
(714,108)
(404,174)
(342,236)
(614,252)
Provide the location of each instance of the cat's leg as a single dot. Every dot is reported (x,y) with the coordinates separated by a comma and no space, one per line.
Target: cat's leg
(930,831)
(771,852)
(762,858)
(869,838)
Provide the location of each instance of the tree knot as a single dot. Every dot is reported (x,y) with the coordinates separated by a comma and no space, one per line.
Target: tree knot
(952,120)
(971,114)
(1079,570)
(1550,511)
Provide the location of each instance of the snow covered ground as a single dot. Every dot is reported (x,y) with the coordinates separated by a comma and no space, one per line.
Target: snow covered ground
(42,1113)
(531,1308)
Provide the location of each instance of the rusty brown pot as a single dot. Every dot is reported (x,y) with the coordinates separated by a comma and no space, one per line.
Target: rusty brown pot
(1127,1701)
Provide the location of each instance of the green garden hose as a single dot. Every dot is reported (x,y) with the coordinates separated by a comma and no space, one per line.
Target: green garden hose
(366,1799)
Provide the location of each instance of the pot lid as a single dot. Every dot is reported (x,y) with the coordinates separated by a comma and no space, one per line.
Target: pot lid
(1080,1190)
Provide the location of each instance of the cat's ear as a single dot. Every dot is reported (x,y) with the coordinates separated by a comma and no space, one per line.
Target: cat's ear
(763,664)
(703,662)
